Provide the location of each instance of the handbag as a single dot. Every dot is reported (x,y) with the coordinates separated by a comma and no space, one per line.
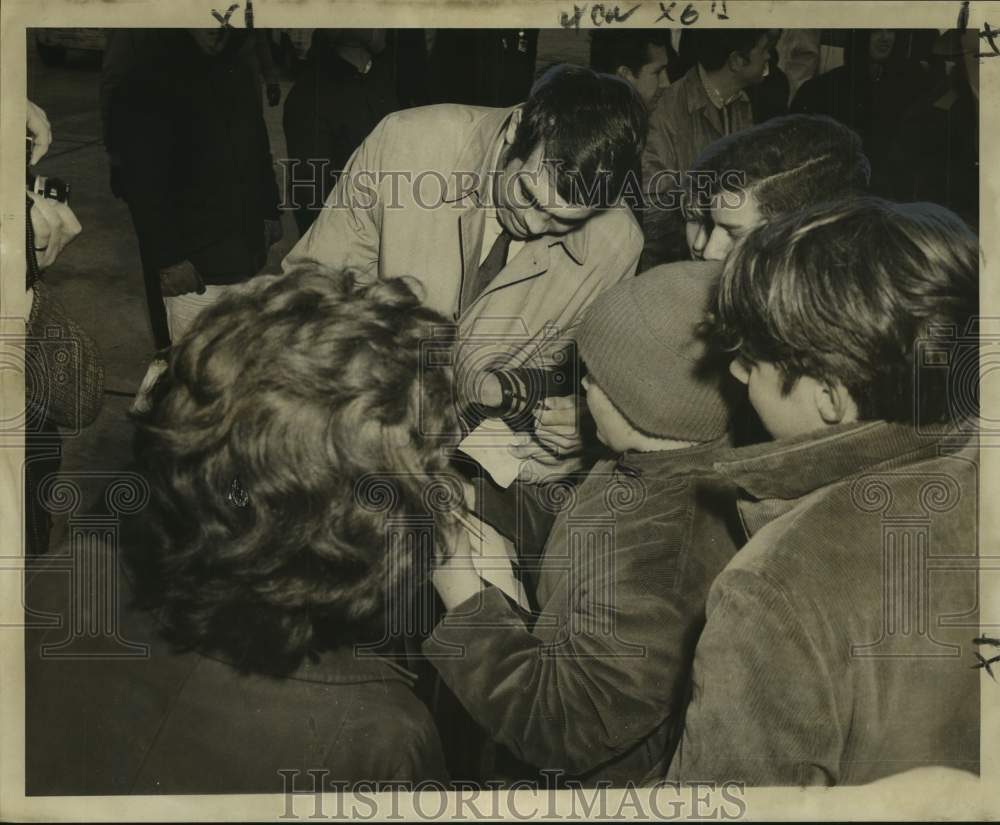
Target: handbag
(63,369)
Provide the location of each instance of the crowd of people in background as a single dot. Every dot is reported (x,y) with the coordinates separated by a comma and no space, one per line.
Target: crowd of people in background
(584,467)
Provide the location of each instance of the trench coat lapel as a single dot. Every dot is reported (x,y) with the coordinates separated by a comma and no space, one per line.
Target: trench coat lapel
(471,223)
(531,261)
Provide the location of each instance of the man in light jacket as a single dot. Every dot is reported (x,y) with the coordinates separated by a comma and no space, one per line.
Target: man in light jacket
(511,219)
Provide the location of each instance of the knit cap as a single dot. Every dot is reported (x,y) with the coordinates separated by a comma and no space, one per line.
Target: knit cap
(644,344)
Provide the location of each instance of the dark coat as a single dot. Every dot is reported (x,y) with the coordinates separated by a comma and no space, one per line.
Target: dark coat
(169,722)
(870,106)
(596,687)
(195,162)
(935,154)
(329,111)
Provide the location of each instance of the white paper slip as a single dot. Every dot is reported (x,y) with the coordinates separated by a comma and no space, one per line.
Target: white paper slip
(492,556)
(489,444)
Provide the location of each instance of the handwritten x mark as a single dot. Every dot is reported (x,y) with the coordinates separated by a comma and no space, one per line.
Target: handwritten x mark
(986,663)
(990,36)
(224,21)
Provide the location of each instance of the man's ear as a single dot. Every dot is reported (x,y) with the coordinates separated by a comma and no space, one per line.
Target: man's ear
(834,403)
(736,62)
(625,73)
(512,124)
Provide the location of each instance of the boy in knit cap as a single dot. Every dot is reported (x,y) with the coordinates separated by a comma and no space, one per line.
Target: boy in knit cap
(595,685)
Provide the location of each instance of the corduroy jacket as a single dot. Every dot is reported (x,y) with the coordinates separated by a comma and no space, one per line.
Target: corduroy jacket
(839,642)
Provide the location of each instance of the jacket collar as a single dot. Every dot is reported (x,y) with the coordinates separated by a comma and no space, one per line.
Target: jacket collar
(473,173)
(345,665)
(473,176)
(697,456)
(777,474)
(695,96)
(349,665)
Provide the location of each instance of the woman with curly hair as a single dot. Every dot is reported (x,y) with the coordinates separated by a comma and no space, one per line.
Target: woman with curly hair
(296,455)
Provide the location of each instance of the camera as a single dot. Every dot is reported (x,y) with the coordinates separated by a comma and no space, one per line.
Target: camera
(52,188)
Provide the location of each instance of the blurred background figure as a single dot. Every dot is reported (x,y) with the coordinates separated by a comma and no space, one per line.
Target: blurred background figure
(193,160)
(769,98)
(642,57)
(345,88)
(709,102)
(799,56)
(935,154)
(882,77)
(481,67)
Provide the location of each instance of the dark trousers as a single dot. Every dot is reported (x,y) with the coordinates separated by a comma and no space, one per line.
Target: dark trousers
(42,458)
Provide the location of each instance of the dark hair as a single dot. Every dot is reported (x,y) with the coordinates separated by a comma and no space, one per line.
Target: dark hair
(593,127)
(613,48)
(849,292)
(787,163)
(280,403)
(712,47)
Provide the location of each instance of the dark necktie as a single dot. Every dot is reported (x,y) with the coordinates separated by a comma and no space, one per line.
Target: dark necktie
(488,269)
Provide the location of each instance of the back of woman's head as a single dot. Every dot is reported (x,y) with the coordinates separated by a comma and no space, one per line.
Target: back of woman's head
(280,401)
(787,163)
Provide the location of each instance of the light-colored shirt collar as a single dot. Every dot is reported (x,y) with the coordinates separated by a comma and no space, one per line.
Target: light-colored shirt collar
(714,97)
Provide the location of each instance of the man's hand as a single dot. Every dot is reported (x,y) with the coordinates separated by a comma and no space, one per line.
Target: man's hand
(40,131)
(556,426)
(488,392)
(556,450)
(455,577)
(54,225)
(180,279)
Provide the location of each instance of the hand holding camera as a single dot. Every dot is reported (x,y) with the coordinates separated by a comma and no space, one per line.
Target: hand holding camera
(54,226)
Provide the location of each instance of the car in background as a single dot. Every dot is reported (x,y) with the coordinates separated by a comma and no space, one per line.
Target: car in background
(52,44)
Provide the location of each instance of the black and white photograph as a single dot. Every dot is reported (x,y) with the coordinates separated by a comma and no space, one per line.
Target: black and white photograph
(555,411)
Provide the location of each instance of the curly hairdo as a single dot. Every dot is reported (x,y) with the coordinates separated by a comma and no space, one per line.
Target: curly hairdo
(847,291)
(300,387)
(593,127)
(787,163)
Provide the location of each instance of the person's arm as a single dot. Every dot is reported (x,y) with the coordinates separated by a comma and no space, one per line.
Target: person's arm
(346,232)
(40,131)
(265,61)
(763,710)
(600,671)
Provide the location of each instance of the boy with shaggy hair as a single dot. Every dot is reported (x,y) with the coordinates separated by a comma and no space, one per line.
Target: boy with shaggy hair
(838,643)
